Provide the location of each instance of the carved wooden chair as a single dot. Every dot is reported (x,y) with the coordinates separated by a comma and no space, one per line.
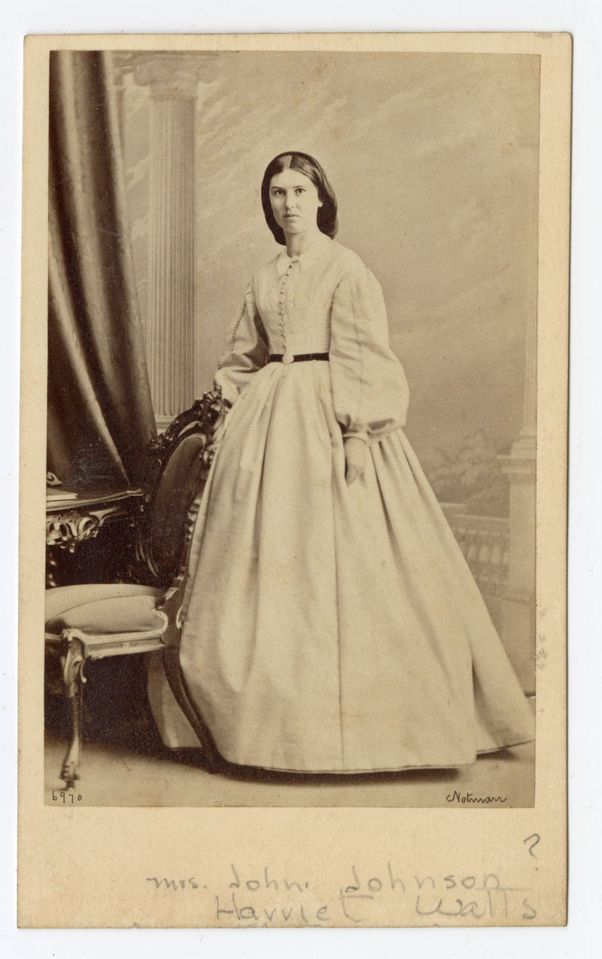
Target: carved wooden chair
(96,620)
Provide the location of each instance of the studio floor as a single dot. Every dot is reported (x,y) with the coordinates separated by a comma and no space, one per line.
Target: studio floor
(118,774)
(125,764)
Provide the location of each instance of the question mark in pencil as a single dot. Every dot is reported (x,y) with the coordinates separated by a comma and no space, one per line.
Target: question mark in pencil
(536,839)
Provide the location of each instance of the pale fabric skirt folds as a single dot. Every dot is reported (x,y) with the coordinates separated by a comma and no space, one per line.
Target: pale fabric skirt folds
(333,628)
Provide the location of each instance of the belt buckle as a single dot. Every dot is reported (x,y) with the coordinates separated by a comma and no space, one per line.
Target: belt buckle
(288,358)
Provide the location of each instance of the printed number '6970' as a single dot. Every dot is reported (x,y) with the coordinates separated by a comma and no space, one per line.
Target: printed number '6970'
(66,797)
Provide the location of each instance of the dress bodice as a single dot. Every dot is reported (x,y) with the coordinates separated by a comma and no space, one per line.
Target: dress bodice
(325,300)
(293,297)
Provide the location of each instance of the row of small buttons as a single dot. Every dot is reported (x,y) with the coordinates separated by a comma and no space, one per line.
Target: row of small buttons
(287,356)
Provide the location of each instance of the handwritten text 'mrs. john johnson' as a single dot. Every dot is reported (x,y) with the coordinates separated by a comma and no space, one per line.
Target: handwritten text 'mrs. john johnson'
(259,898)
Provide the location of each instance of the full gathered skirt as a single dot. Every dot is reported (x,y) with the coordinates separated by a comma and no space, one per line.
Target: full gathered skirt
(334,628)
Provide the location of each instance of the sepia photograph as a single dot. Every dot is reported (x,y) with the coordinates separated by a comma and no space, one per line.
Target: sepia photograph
(292,428)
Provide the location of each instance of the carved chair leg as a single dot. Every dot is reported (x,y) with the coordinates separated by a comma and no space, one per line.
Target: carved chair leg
(73,664)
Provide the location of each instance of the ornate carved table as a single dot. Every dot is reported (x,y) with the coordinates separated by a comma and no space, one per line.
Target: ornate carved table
(75,519)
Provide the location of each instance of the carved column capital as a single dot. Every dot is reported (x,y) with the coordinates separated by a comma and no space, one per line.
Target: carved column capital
(174,75)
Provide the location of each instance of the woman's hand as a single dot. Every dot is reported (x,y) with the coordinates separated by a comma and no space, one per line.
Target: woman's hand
(355,458)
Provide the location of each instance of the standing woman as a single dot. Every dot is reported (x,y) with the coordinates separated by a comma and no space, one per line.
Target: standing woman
(331,621)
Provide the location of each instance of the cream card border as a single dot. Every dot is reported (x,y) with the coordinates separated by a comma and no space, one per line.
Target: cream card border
(89,867)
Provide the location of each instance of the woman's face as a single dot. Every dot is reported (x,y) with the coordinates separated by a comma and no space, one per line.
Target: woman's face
(295,201)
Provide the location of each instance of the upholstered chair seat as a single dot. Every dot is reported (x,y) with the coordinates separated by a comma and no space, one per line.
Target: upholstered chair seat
(102,608)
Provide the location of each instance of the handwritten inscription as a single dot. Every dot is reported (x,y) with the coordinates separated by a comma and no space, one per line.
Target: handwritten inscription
(263,898)
(534,839)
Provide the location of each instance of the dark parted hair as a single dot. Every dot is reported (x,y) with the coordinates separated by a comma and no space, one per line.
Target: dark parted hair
(306,164)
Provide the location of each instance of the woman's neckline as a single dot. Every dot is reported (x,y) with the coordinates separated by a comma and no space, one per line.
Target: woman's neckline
(315,241)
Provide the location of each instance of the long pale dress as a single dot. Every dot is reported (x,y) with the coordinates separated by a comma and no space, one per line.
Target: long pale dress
(331,628)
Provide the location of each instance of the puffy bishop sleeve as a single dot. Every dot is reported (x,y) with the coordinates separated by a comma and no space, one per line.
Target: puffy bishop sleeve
(369,386)
(246,351)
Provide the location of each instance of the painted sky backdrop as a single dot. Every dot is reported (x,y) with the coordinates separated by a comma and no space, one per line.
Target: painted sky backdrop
(434,160)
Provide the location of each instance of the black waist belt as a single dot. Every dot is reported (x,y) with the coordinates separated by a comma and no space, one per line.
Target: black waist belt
(296,358)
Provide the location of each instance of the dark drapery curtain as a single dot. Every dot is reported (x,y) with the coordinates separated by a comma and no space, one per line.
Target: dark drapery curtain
(100,416)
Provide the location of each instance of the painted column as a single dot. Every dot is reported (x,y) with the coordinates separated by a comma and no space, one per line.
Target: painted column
(173,80)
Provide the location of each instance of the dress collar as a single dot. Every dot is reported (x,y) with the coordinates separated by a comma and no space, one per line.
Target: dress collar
(283,260)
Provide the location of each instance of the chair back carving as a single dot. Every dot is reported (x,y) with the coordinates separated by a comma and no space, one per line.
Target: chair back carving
(180,460)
